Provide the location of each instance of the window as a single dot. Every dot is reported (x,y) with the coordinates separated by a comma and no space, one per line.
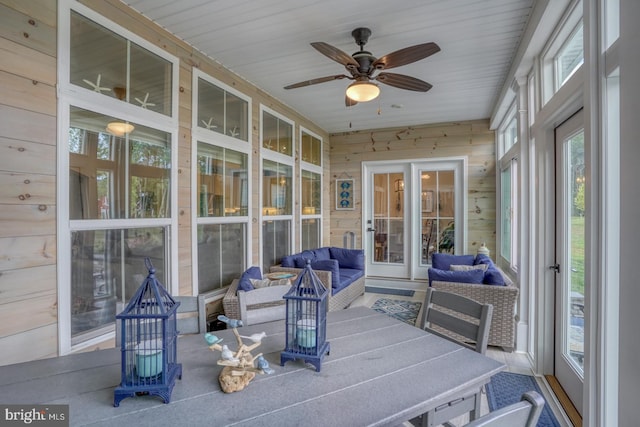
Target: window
(310,190)
(222,180)
(116,171)
(111,65)
(222,111)
(570,57)
(509,213)
(277,187)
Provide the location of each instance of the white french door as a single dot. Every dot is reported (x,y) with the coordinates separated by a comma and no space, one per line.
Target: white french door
(410,211)
(570,258)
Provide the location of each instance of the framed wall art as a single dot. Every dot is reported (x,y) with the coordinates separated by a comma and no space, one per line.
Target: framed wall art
(344,194)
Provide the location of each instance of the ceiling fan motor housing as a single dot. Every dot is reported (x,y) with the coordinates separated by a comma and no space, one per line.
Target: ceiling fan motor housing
(361,35)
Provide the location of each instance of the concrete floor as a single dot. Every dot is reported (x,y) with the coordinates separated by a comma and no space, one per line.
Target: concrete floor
(516,362)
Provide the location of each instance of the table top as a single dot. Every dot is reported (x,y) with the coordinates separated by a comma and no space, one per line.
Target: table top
(380,371)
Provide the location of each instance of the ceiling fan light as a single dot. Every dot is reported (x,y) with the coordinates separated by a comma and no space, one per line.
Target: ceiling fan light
(363,91)
(120,128)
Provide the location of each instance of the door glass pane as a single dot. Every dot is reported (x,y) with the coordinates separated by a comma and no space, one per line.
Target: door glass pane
(437,192)
(389,218)
(505,218)
(575,275)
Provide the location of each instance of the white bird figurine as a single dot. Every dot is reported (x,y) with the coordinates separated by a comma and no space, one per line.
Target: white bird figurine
(255,337)
(234,323)
(227,354)
(264,365)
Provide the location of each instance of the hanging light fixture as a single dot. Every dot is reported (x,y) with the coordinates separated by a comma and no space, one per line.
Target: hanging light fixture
(120,128)
(363,91)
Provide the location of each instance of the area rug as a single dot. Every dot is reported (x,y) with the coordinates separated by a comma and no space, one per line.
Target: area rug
(506,388)
(407,311)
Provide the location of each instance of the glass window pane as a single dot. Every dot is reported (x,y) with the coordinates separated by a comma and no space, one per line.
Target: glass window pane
(146,194)
(221,254)
(108,266)
(276,242)
(311,193)
(505,218)
(236,117)
(221,111)
(222,181)
(276,188)
(311,149)
(277,135)
(570,57)
(103,61)
(310,229)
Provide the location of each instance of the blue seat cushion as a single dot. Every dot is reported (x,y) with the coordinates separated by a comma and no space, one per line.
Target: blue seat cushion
(244,283)
(444,261)
(469,276)
(348,258)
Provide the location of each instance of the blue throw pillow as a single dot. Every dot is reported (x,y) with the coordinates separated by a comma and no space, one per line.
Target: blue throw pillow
(245,279)
(444,261)
(469,276)
(329,265)
(482,259)
(288,261)
(348,258)
(493,276)
(322,253)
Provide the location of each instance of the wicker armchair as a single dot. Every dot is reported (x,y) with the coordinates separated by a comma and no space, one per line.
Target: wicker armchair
(503,298)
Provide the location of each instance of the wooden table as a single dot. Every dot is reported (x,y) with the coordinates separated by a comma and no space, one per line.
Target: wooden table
(380,372)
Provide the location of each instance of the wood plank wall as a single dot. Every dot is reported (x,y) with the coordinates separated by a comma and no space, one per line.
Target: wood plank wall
(471,138)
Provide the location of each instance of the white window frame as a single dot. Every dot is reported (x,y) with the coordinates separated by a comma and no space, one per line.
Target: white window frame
(289,160)
(310,167)
(68,95)
(222,140)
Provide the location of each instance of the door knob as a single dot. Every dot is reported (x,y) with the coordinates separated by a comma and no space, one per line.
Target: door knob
(555,267)
(371,229)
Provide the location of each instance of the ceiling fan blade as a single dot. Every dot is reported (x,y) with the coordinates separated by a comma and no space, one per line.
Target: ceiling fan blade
(403,82)
(349,102)
(406,56)
(334,53)
(316,81)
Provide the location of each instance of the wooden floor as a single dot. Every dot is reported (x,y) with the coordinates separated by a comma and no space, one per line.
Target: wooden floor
(516,362)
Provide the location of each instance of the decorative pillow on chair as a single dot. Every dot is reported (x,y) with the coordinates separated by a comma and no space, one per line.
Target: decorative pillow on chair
(265,283)
(245,280)
(482,267)
(329,265)
(348,258)
(493,277)
(443,261)
(470,276)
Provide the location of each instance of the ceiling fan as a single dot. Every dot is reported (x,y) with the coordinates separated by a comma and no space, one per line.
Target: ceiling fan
(362,67)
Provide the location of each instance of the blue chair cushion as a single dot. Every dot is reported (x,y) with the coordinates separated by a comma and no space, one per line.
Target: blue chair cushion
(493,276)
(348,258)
(469,276)
(351,274)
(329,265)
(442,261)
(245,279)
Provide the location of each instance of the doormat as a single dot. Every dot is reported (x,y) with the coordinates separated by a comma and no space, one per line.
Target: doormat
(389,291)
(506,388)
(407,311)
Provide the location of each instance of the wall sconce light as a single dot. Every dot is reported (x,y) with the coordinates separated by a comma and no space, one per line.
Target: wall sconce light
(399,185)
(363,91)
(120,128)
(308,210)
(269,210)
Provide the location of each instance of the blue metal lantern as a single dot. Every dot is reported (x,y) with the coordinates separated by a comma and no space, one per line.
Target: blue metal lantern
(306,320)
(148,342)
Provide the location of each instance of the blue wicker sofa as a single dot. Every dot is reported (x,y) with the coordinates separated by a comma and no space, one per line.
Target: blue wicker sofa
(340,270)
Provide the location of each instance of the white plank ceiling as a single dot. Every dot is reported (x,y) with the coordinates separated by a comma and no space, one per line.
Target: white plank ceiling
(267,43)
